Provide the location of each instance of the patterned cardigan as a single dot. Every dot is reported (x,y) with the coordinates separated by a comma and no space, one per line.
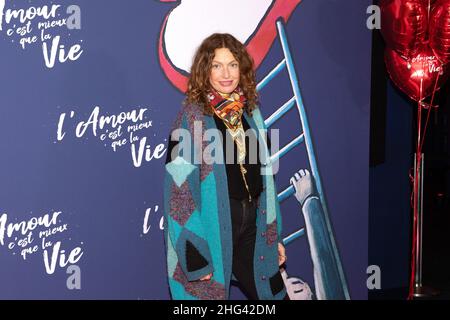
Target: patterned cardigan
(197,213)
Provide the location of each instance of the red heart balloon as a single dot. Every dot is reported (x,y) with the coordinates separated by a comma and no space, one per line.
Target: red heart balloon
(421,71)
(404,25)
(440,30)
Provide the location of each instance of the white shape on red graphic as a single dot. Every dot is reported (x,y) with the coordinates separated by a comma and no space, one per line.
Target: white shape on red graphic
(194,20)
(186,25)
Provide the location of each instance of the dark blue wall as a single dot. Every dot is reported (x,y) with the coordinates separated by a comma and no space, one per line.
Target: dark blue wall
(390,191)
(104,198)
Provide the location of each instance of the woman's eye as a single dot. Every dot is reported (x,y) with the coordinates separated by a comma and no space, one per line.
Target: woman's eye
(215,66)
(234,65)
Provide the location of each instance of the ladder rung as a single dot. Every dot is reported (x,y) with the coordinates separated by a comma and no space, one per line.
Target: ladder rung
(294,236)
(287,148)
(280,112)
(271,75)
(286,193)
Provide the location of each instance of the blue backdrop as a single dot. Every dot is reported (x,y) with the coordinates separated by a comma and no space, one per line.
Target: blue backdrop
(108,205)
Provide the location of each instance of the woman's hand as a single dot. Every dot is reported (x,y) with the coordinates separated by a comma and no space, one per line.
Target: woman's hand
(281,254)
(206,278)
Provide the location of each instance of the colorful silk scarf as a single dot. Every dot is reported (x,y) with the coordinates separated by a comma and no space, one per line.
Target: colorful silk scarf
(230,108)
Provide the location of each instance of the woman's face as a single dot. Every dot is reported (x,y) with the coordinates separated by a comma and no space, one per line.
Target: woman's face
(224,76)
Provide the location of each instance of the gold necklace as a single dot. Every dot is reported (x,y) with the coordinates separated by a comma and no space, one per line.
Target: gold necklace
(238,135)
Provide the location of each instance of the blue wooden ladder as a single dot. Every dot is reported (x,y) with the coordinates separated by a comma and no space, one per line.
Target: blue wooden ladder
(304,137)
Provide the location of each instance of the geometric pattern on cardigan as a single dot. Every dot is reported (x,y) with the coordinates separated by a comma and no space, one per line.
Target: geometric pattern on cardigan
(180,169)
(211,209)
(183,206)
(204,290)
(272,205)
(271,233)
(190,233)
(194,118)
(172,257)
(205,167)
(206,222)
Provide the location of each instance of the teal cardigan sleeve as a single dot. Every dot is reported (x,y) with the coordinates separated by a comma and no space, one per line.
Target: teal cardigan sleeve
(268,145)
(182,203)
(277,204)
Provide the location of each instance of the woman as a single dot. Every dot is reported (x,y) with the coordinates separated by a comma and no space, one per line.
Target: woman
(222,220)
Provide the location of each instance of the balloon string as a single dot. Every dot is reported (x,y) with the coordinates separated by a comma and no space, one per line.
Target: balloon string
(420,142)
(414,237)
(415,196)
(429,111)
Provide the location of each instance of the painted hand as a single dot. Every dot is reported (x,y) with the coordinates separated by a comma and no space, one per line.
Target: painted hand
(303,185)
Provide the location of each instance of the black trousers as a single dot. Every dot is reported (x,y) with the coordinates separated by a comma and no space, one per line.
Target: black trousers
(243,220)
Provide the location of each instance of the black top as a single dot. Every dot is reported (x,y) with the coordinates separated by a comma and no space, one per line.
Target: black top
(236,184)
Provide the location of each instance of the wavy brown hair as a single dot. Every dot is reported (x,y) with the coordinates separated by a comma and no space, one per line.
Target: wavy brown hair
(199,84)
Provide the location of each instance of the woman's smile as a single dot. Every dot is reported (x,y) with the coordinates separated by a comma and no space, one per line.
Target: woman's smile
(226,83)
